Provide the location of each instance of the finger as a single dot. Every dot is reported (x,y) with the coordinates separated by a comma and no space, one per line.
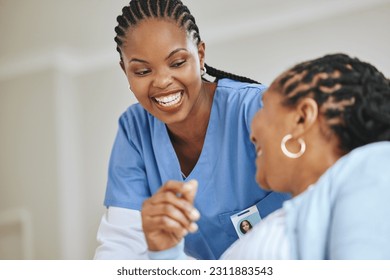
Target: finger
(186,219)
(167,224)
(167,210)
(185,189)
(189,190)
(171,185)
(164,234)
(161,223)
(180,202)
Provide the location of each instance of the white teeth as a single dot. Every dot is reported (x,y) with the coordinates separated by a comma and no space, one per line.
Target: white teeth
(169,100)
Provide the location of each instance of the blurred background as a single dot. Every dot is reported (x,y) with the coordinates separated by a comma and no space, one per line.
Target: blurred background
(62,91)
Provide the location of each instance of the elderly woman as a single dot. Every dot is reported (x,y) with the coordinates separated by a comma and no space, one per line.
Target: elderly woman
(323,136)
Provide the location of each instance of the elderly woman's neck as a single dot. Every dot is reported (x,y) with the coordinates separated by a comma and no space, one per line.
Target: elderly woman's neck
(314,165)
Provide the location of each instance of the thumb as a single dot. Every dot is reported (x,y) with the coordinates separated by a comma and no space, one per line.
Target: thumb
(189,190)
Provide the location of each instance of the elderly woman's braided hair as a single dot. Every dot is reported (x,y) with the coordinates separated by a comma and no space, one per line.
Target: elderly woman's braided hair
(175,10)
(353,96)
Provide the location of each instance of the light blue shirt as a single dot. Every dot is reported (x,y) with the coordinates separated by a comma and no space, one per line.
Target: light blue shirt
(143,159)
(346,214)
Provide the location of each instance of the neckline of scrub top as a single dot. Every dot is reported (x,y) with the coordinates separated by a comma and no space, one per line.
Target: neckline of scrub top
(167,158)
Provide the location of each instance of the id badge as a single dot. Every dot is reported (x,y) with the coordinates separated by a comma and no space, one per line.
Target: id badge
(245,220)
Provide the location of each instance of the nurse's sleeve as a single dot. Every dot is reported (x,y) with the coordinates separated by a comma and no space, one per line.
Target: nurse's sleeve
(127,185)
(360,221)
(253,104)
(120,235)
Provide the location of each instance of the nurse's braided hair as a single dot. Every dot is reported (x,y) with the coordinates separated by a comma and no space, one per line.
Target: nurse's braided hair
(138,10)
(353,96)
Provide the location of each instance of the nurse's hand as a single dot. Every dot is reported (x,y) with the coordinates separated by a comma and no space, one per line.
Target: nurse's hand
(169,215)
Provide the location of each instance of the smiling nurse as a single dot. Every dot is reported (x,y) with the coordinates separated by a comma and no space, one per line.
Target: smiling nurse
(183,128)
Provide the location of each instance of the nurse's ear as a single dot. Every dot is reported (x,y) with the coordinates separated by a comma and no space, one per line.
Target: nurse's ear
(201,53)
(122,66)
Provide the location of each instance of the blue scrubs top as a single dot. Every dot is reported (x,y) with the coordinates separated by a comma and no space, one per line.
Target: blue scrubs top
(143,159)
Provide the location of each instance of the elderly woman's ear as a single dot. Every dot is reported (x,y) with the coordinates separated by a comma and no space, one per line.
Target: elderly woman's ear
(305,116)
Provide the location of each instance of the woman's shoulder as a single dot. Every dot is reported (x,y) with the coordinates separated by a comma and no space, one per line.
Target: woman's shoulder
(239,93)
(363,167)
(237,86)
(373,156)
(135,120)
(135,110)
(135,113)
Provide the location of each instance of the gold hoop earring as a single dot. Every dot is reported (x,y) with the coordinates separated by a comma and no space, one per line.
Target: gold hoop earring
(289,154)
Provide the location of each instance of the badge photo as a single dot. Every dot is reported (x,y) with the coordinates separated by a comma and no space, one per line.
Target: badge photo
(245,220)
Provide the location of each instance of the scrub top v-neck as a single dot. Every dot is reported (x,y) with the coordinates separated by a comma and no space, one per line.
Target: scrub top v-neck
(168,162)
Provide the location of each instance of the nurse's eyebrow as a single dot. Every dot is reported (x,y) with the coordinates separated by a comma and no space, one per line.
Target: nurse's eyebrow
(138,60)
(176,51)
(170,54)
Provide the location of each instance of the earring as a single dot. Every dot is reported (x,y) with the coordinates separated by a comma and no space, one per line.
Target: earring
(129,87)
(289,154)
(202,71)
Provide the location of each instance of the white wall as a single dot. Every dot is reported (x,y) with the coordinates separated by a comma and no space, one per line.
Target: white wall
(62,91)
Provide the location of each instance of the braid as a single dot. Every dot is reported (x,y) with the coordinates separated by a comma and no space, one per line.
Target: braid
(144,8)
(134,9)
(138,10)
(353,96)
(219,74)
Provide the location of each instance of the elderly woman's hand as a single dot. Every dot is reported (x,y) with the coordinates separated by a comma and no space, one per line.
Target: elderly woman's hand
(169,215)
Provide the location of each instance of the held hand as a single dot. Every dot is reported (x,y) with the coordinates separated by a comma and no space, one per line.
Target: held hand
(169,215)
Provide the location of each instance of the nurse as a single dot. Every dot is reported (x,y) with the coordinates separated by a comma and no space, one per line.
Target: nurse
(183,127)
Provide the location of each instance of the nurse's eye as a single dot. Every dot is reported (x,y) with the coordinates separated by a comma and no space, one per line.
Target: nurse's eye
(142,72)
(178,63)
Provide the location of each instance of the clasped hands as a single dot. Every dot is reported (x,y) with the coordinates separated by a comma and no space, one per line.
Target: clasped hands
(169,215)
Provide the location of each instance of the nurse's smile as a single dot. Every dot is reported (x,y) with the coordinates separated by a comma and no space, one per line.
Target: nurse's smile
(169,101)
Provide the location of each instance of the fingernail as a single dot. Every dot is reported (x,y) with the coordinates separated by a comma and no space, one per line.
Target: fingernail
(194,183)
(191,184)
(193,227)
(195,215)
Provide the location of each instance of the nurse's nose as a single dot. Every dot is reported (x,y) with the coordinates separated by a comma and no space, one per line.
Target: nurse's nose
(162,79)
